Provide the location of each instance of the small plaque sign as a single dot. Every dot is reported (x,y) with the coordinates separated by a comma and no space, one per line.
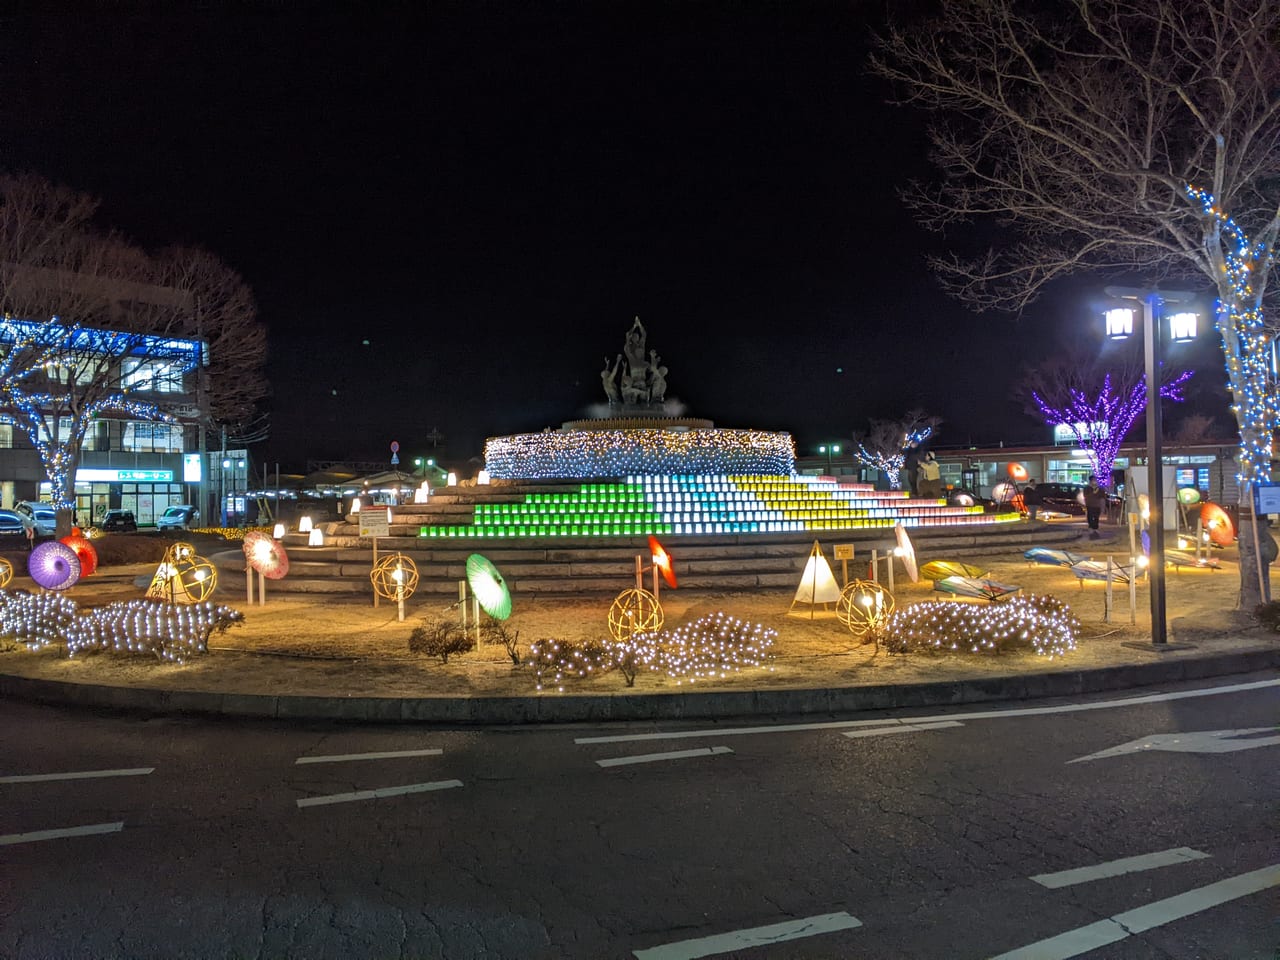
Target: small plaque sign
(375,523)
(1266,498)
(844,551)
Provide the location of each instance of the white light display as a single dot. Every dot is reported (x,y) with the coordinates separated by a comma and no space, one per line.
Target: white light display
(1043,624)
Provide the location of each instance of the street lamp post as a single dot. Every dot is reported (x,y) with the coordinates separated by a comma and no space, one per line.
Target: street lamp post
(1152,337)
(829,449)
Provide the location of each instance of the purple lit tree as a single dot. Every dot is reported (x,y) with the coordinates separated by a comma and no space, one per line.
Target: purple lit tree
(1101,418)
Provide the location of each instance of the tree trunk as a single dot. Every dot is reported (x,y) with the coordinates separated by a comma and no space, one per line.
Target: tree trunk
(1255,577)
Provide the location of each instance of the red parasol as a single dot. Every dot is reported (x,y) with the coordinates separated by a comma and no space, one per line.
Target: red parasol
(662,561)
(1218,523)
(1017,472)
(265,555)
(87,555)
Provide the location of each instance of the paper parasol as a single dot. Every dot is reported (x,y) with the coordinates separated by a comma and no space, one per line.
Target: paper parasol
(54,565)
(906,552)
(489,587)
(85,552)
(1218,523)
(662,560)
(1017,472)
(940,569)
(1188,495)
(265,555)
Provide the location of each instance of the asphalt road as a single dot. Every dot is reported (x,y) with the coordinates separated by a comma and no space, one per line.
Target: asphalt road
(913,834)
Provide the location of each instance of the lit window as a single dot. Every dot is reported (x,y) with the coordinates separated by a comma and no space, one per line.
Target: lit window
(157,376)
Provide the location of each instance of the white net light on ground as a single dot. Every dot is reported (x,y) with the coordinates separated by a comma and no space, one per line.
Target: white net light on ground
(634,611)
(864,607)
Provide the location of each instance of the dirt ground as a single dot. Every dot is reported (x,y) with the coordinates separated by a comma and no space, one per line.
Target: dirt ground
(320,644)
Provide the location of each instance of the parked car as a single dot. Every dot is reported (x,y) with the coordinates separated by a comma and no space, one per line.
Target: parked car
(1065,498)
(119,521)
(13,523)
(40,515)
(178,517)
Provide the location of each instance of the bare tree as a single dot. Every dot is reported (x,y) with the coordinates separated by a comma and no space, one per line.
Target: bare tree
(885,446)
(1130,137)
(94,325)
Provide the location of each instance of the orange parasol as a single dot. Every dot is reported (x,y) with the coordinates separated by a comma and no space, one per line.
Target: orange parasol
(84,551)
(662,561)
(1218,523)
(1017,472)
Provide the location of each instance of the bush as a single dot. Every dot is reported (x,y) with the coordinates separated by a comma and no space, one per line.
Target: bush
(439,638)
(1043,624)
(1268,615)
(554,661)
(495,632)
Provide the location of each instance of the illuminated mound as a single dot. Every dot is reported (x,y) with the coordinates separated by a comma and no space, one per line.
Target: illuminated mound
(603,454)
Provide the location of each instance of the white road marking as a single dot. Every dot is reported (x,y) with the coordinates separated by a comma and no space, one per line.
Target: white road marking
(9,839)
(1192,741)
(670,755)
(904,728)
(1116,868)
(977,715)
(752,937)
(81,775)
(1114,929)
(379,793)
(385,755)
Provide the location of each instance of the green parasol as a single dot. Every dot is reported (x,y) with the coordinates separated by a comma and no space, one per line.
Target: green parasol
(489,587)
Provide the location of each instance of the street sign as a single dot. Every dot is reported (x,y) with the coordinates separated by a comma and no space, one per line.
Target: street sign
(395,452)
(1195,741)
(375,523)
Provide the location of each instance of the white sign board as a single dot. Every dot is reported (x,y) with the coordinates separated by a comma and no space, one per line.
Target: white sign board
(375,523)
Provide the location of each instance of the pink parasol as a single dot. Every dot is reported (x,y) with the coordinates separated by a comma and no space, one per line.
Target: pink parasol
(265,555)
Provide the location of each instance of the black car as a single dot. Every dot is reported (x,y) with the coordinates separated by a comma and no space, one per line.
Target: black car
(1065,498)
(119,521)
(12,524)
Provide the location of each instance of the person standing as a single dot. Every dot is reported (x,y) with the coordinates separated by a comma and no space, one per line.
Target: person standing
(929,485)
(1095,500)
(1031,499)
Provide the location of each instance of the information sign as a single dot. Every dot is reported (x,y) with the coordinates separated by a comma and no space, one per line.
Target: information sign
(375,523)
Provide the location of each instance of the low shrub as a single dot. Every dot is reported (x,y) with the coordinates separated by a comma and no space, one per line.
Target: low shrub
(1043,624)
(495,632)
(1268,615)
(440,638)
(555,661)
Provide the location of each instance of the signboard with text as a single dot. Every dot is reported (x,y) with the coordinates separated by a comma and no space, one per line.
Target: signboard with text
(375,523)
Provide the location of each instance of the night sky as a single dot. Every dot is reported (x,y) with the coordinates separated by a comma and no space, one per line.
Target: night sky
(450,213)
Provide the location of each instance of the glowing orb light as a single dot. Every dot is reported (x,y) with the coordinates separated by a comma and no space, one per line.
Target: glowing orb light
(863,606)
(488,586)
(394,577)
(634,611)
(54,565)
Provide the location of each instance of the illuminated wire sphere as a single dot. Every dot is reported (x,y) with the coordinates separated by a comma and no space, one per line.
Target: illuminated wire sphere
(85,552)
(634,611)
(488,586)
(179,551)
(394,577)
(54,565)
(6,572)
(194,579)
(864,606)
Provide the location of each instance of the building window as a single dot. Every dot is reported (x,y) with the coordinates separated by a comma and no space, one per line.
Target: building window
(152,437)
(157,376)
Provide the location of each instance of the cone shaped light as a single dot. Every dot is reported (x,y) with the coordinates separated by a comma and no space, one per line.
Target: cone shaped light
(817,583)
(489,587)
(662,560)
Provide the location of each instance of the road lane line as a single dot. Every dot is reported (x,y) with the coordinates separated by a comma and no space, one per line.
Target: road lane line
(977,715)
(384,755)
(80,775)
(670,755)
(751,937)
(1116,868)
(904,728)
(379,793)
(1114,929)
(35,836)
